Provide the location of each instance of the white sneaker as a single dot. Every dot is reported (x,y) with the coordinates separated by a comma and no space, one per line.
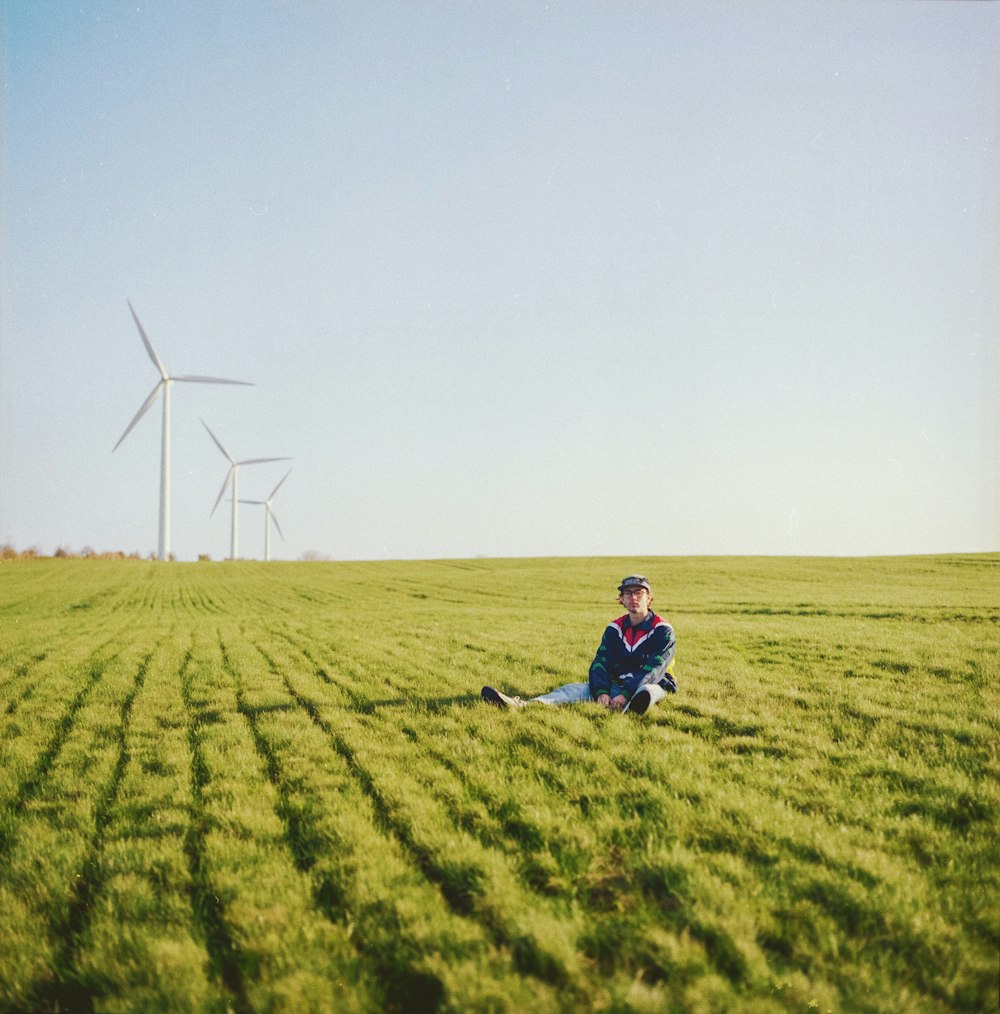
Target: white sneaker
(644,698)
(493,696)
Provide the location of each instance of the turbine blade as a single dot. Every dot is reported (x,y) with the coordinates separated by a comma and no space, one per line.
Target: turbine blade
(259,503)
(260,461)
(142,411)
(276,525)
(191,378)
(276,488)
(149,345)
(222,491)
(217,444)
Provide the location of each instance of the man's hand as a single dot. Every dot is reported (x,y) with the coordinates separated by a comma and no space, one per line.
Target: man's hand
(606,701)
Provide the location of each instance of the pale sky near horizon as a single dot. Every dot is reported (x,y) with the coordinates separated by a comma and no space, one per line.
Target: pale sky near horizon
(511,279)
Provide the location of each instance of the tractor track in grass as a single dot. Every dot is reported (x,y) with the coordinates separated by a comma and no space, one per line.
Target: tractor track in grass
(67,992)
(209,910)
(459,887)
(410,990)
(26,672)
(18,695)
(30,786)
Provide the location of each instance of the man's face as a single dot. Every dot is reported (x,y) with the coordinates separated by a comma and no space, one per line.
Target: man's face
(636,600)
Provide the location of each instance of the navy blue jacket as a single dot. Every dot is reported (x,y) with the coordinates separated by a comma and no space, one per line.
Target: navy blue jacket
(632,656)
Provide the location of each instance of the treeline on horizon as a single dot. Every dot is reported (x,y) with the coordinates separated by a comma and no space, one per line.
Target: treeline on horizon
(9,553)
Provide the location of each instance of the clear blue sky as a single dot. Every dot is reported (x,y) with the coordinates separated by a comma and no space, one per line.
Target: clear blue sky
(511,278)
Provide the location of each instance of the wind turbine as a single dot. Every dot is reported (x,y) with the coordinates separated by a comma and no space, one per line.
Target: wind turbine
(233,474)
(269,516)
(165,381)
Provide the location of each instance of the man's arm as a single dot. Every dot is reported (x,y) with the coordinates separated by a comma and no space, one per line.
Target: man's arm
(600,678)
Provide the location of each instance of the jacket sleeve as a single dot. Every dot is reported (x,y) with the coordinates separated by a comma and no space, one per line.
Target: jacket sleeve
(656,661)
(600,678)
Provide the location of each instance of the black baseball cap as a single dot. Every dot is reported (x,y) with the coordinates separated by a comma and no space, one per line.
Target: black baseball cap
(635,581)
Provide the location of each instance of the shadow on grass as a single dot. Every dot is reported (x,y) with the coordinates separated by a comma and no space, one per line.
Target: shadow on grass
(427,703)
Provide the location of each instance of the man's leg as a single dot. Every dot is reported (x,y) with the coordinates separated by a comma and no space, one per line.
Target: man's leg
(569,693)
(644,698)
(493,696)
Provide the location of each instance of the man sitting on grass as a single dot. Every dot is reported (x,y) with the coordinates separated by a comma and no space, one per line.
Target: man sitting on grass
(633,667)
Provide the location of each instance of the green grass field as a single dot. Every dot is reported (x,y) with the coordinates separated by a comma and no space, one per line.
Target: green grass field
(273,787)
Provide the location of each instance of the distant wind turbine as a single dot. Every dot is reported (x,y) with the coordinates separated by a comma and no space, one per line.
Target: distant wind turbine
(233,475)
(165,381)
(269,516)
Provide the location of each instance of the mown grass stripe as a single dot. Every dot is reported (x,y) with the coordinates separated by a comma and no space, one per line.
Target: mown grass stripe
(140,948)
(31,785)
(208,910)
(50,859)
(67,991)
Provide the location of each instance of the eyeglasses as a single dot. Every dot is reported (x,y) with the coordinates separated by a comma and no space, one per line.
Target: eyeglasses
(634,591)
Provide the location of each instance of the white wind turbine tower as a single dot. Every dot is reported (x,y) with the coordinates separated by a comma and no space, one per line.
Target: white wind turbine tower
(269,516)
(233,474)
(165,381)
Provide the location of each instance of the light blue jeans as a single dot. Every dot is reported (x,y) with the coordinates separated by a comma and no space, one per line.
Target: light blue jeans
(571,693)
